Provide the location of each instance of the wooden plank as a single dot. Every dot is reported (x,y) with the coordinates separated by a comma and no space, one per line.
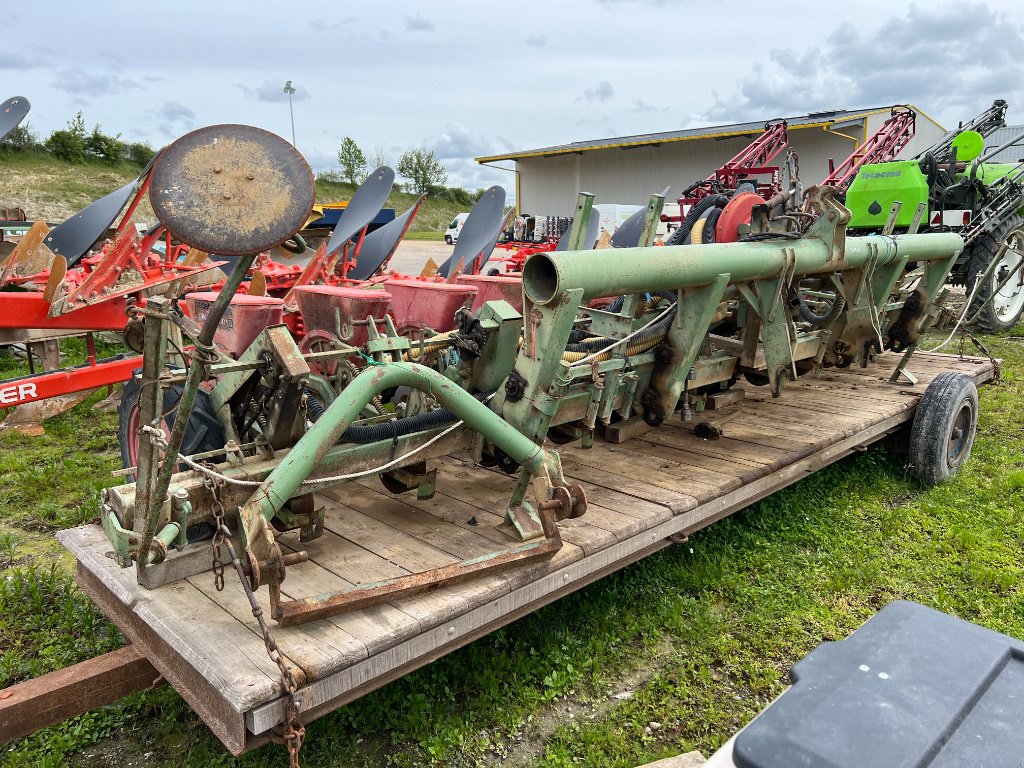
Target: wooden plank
(187,621)
(399,548)
(663,473)
(629,486)
(709,467)
(792,443)
(413,555)
(375,628)
(453,510)
(461,543)
(726,448)
(321,693)
(317,648)
(209,700)
(52,698)
(625,430)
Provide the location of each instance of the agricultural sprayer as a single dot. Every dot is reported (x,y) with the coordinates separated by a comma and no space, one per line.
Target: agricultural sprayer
(953,186)
(280,423)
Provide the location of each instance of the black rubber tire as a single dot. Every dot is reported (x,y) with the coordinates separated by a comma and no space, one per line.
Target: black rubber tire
(448,239)
(944,427)
(985,249)
(204,431)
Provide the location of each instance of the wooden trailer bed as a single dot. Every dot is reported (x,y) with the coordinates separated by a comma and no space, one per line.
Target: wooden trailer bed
(642,493)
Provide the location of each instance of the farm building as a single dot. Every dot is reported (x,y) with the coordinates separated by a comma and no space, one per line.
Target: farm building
(1002,136)
(628,169)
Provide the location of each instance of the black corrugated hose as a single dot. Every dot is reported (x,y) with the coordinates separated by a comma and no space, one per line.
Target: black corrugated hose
(387,430)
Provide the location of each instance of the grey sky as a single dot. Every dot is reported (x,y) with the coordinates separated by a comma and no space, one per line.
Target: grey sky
(478,78)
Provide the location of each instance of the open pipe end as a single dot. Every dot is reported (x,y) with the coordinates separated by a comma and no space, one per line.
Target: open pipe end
(540,278)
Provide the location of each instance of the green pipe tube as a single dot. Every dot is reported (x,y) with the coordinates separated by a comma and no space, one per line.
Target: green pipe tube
(547,276)
(281,484)
(167,536)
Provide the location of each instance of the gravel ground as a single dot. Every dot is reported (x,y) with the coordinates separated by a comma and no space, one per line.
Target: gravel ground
(413,254)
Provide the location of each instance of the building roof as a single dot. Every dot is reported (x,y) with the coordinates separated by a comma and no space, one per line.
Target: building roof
(832,119)
(1012,154)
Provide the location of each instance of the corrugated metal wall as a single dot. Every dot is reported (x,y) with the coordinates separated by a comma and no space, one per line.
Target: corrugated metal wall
(1014,154)
(548,185)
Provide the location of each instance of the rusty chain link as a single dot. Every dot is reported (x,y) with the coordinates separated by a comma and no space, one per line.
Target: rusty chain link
(294,731)
(213,485)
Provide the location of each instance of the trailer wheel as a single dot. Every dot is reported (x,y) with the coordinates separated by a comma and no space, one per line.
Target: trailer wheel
(944,427)
(204,431)
(1005,246)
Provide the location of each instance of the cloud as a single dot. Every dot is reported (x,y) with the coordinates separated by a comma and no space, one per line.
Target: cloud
(79,83)
(10,60)
(639,105)
(458,142)
(322,25)
(930,57)
(273,90)
(418,23)
(602,92)
(173,111)
(172,119)
(537,41)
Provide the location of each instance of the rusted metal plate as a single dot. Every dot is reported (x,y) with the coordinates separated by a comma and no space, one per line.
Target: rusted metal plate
(231,189)
(12,112)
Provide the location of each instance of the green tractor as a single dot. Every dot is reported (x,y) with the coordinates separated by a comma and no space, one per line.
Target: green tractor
(951,187)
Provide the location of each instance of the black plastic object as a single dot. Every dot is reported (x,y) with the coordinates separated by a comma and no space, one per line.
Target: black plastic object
(380,245)
(911,688)
(593,230)
(627,235)
(363,207)
(481,228)
(12,112)
(231,189)
(73,237)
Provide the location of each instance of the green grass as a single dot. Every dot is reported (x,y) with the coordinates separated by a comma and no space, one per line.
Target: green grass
(431,235)
(703,633)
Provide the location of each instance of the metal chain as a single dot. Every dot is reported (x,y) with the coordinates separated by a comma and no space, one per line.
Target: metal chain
(294,731)
(213,484)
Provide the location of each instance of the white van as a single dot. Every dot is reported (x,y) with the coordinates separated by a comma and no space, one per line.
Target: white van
(451,235)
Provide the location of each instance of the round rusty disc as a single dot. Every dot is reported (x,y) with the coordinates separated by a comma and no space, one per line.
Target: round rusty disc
(231,189)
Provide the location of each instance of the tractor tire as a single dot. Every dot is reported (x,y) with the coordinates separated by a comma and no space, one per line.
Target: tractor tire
(1005,310)
(204,431)
(944,426)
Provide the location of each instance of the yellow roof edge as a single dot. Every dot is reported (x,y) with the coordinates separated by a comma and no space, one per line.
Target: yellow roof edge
(551,153)
(567,151)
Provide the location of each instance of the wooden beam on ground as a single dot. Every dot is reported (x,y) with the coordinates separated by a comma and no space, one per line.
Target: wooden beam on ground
(35,704)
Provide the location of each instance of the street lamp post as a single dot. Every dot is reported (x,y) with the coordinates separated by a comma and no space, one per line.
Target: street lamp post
(289,90)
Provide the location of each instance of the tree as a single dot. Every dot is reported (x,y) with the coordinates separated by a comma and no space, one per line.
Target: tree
(21,138)
(99,145)
(139,153)
(68,144)
(423,170)
(352,160)
(379,157)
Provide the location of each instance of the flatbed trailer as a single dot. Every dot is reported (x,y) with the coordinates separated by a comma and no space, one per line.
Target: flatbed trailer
(646,492)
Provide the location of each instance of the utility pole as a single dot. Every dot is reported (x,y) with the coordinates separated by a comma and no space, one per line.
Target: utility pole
(289,90)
